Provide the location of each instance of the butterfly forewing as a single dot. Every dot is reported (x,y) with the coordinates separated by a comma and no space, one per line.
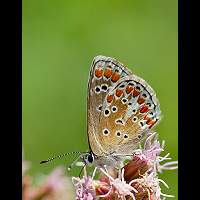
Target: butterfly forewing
(105,73)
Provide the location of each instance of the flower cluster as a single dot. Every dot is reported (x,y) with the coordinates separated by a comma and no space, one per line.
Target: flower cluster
(55,186)
(137,180)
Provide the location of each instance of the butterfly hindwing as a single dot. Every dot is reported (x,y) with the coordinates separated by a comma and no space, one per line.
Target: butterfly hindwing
(130,110)
(105,73)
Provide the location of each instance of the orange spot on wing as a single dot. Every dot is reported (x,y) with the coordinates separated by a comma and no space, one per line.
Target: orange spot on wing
(146,117)
(115,77)
(119,92)
(141,100)
(108,73)
(151,122)
(144,109)
(129,89)
(110,98)
(98,72)
(135,93)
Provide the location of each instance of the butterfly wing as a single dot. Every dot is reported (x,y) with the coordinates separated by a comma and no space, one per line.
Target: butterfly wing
(125,120)
(105,73)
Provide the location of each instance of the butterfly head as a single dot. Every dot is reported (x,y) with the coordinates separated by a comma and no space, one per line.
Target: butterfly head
(88,158)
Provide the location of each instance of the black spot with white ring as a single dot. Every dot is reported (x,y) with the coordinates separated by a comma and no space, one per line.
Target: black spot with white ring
(134,111)
(106,131)
(114,109)
(104,87)
(124,100)
(106,112)
(99,108)
(134,119)
(97,89)
(118,133)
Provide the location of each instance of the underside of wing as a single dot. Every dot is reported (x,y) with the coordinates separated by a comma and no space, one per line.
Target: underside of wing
(105,73)
(129,111)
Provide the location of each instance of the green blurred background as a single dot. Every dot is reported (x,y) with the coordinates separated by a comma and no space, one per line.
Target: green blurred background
(60,39)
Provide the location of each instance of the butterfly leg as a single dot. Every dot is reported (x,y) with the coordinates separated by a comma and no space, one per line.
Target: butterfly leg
(94,172)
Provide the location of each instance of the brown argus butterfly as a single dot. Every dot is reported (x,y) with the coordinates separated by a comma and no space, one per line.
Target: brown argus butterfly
(121,109)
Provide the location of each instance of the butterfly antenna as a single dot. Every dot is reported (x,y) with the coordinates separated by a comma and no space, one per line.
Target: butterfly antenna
(60,156)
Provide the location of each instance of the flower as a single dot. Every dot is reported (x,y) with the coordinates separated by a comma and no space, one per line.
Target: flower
(149,183)
(84,188)
(136,180)
(119,186)
(148,159)
(55,186)
(150,150)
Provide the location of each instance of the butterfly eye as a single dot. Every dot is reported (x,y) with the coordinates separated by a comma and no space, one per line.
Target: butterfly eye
(114,109)
(106,131)
(106,112)
(90,158)
(104,87)
(97,89)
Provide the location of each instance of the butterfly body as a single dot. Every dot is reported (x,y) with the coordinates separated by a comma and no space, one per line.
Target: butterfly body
(122,109)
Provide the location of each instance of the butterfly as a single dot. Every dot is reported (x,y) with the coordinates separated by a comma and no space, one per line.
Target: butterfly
(122,109)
